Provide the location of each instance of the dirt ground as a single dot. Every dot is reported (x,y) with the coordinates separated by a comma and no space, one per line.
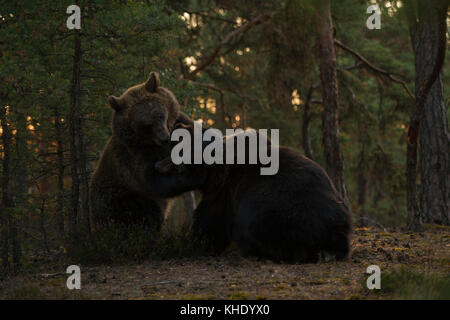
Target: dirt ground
(234,277)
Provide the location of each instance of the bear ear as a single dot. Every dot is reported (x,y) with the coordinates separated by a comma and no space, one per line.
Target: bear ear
(153,82)
(115,103)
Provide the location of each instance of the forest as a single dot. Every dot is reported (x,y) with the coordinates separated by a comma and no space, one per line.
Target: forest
(358,86)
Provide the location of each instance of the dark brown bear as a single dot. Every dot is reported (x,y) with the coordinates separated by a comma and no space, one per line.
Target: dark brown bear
(125,186)
(292,216)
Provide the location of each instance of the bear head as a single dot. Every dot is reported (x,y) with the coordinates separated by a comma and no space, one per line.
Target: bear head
(144,114)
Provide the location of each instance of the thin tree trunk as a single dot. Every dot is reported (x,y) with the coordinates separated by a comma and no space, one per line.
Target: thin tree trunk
(20,187)
(5,243)
(80,179)
(21,173)
(75,134)
(16,246)
(60,162)
(84,185)
(306,123)
(329,81)
(427,24)
(362,190)
(42,222)
(6,199)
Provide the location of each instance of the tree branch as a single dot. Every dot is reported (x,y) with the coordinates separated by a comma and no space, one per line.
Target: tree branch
(372,67)
(244,28)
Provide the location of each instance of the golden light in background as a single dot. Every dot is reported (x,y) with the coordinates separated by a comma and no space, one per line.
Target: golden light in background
(295,98)
(190,62)
(392,9)
(201,102)
(211,105)
(6,111)
(208,103)
(191,21)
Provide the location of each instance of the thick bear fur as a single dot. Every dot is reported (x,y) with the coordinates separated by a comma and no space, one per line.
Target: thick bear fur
(295,215)
(125,187)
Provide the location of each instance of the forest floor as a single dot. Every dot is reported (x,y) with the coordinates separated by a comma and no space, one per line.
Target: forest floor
(413,266)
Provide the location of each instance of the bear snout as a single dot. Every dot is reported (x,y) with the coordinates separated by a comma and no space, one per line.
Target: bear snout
(162,137)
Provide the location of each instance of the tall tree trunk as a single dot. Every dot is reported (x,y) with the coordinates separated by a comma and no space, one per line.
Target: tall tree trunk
(60,162)
(434,134)
(75,133)
(329,81)
(427,22)
(6,197)
(21,176)
(21,173)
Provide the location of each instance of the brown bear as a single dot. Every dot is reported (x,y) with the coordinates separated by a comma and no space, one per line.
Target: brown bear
(125,187)
(295,215)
